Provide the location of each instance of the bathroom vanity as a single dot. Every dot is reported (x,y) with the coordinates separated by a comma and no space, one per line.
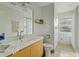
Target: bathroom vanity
(33,50)
(27,47)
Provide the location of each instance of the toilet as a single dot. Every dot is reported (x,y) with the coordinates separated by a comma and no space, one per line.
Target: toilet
(48,47)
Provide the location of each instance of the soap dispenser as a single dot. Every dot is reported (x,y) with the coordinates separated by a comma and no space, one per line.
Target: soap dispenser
(2,36)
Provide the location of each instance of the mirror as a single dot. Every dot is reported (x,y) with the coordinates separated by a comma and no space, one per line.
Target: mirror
(13,20)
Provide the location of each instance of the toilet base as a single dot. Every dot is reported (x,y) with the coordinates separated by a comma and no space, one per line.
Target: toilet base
(52,51)
(43,52)
(48,49)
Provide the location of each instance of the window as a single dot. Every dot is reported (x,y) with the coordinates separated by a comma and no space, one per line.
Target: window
(28,26)
(66,24)
(28,22)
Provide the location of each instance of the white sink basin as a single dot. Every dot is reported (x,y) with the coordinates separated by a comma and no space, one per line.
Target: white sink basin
(15,43)
(21,43)
(18,42)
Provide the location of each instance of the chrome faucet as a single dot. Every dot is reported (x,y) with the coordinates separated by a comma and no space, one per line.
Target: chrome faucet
(19,35)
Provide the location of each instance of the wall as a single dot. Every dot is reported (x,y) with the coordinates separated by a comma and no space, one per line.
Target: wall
(48,16)
(46,13)
(37,28)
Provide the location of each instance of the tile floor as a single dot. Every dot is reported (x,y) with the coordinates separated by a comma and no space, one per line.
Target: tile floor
(64,50)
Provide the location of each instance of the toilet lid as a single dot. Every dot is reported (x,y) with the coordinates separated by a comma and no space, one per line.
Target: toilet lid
(48,45)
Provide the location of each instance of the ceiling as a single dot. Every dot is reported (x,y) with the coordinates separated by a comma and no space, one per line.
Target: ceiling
(59,6)
(65,6)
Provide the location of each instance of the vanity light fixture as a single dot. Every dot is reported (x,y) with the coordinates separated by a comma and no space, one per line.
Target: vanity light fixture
(39,21)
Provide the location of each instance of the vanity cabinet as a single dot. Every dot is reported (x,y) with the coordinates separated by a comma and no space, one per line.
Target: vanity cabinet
(37,49)
(34,50)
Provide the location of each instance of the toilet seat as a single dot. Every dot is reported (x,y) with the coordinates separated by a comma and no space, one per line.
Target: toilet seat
(48,45)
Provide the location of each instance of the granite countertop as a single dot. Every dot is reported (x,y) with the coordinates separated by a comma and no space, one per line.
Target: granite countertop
(17,45)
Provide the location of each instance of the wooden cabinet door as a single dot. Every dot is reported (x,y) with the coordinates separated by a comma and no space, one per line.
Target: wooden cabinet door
(37,49)
(22,53)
